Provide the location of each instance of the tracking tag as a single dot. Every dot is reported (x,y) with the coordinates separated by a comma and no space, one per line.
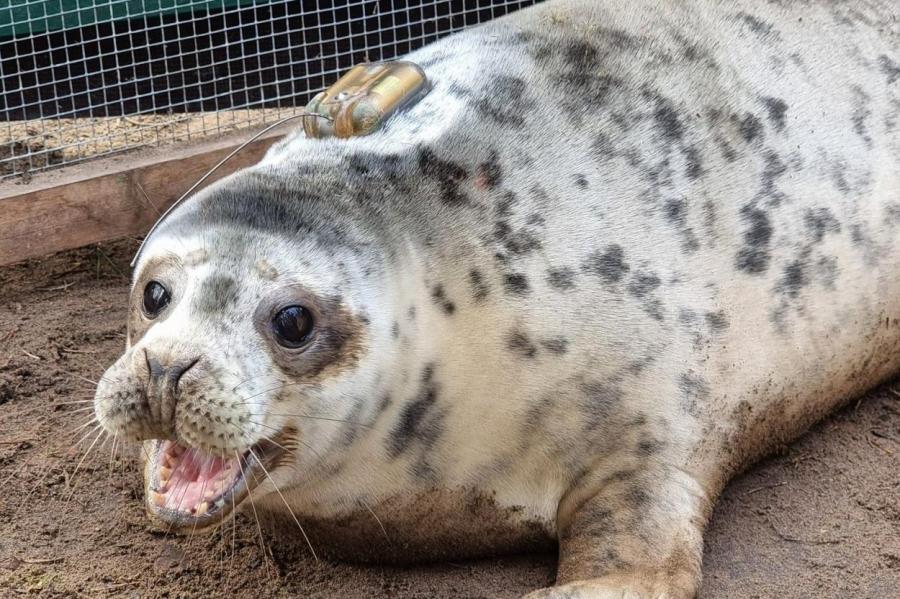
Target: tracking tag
(360,101)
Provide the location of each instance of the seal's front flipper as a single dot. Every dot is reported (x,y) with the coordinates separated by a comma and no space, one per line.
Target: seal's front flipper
(634,534)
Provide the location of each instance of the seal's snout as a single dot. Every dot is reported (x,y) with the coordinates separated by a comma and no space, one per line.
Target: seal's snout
(139,396)
(163,374)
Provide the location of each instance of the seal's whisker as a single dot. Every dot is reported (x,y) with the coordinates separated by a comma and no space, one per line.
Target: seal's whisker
(277,490)
(353,422)
(284,386)
(233,532)
(252,378)
(85,409)
(68,403)
(86,379)
(377,519)
(255,514)
(112,458)
(194,527)
(43,408)
(71,479)
(85,435)
(78,428)
(159,213)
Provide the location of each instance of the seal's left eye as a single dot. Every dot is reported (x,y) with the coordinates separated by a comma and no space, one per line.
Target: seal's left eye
(292,326)
(156,298)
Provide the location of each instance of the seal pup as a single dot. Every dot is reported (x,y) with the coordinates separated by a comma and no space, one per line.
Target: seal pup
(615,255)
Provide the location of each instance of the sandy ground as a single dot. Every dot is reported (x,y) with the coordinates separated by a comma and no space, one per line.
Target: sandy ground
(820,520)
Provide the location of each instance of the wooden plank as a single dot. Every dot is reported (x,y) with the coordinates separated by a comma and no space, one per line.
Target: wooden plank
(102,200)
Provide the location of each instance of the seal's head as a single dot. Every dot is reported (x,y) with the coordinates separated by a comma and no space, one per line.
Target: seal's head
(251,314)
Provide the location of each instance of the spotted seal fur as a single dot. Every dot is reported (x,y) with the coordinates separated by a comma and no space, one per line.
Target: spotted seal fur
(614,256)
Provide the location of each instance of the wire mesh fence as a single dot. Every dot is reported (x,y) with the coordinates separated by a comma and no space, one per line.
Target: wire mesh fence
(87,78)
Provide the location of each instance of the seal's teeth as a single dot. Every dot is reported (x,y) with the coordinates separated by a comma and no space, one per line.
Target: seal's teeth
(201,508)
(157,499)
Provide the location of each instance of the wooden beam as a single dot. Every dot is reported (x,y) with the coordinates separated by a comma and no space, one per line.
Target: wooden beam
(103,199)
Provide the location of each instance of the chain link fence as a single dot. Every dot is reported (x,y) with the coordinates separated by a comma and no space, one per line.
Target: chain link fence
(86,78)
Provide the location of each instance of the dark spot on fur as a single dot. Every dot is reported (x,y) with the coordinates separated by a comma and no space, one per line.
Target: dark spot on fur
(561,278)
(440,298)
(716,321)
(637,496)
(649,446)
(395,330)
(757,25)
(674,211)
(609,265)
(580,53)
(826,269)
(506,101)
(501,230)
(581,181)
(602,400)
(694,166)
(643,283)
(694,390)
(839,176)
(480,287)
(753,258)
(861,113)
(556,345)
(890,68)
(516,283)
(750,127)
(522,242)
(217,292)
(489,172)
(774,168)
(777,109)
(794,278)
(536,220)
(505,203)
(448,175)
(414,423)
(668,123)
(519,343)
(819,222)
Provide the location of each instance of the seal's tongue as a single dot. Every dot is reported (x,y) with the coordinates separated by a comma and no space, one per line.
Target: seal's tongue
(190,481)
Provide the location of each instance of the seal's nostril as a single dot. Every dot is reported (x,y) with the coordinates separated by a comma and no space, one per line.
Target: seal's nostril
(168,375)
(178,370)
(147,361)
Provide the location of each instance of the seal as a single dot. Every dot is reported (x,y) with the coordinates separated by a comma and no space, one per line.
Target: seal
(614,256)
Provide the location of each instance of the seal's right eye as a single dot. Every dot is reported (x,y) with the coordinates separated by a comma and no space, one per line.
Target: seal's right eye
(292,326)
(156,298)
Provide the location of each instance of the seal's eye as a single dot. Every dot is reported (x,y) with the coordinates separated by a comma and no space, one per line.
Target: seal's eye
(292,326)
(156,298)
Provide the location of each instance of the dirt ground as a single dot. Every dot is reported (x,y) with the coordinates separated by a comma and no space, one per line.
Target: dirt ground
(820,520)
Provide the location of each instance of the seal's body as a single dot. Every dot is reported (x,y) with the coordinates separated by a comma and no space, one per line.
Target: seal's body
(612,256)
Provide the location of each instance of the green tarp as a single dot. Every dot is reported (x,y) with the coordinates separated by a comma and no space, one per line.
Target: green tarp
(22,17)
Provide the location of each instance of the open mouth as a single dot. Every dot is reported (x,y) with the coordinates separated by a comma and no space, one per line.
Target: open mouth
(187,487)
